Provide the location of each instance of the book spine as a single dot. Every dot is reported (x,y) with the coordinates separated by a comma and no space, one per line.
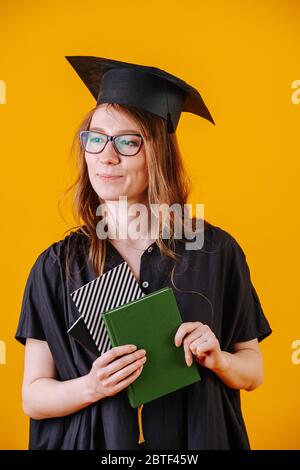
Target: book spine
(113,339)
(110,330)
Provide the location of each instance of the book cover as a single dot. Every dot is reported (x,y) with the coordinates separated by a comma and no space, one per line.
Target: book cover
(116,287)
(151,323)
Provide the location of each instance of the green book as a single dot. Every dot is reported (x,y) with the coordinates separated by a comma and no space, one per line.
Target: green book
(151,323)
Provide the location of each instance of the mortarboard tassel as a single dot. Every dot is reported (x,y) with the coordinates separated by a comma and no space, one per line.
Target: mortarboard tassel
(170,127)
(141,436)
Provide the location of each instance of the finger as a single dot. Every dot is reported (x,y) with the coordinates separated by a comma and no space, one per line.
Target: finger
(191,337)
(186,327)
(202,338)
(188,350)
(188,354)
(124,383)
(125,372)
(119,364)
(116,352)
(204,347)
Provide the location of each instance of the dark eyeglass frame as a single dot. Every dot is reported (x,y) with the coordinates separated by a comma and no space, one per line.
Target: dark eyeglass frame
(108,138)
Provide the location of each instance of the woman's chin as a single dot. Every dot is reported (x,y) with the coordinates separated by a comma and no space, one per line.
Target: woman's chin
(110,195)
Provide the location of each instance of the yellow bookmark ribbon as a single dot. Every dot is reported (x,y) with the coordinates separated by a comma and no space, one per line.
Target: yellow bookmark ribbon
(141,435)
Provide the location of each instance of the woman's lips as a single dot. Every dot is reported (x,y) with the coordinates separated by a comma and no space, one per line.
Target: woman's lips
(108,177)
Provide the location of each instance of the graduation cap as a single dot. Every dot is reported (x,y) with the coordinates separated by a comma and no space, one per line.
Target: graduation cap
(147,88)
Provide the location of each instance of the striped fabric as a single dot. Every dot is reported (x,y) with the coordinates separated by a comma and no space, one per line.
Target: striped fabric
(116,287)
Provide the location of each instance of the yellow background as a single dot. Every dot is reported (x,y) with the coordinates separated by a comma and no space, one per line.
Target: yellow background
(243,58)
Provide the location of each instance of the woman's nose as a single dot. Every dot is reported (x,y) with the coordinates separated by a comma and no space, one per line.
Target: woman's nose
(109,153)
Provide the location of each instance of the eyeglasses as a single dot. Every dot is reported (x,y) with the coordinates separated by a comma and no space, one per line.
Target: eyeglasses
(95,142)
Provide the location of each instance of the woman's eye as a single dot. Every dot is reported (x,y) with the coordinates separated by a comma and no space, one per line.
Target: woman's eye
(95,140)
(128,142)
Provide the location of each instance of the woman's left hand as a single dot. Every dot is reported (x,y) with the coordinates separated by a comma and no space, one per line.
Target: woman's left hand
(200,341)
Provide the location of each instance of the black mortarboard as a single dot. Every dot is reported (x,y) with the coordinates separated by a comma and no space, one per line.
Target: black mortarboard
(147,88)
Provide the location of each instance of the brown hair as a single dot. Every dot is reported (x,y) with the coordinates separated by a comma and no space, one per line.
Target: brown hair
(168,183)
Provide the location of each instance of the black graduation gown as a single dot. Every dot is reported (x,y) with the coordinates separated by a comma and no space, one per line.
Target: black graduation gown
(217,290)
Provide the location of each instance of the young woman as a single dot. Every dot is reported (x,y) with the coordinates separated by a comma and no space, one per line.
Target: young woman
(78,401)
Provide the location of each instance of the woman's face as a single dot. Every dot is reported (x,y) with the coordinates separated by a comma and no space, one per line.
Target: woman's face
(131,172)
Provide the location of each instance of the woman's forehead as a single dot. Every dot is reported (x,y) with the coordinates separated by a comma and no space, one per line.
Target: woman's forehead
(110,119)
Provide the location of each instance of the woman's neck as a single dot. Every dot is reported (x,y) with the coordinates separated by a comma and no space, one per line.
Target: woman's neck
(129,224)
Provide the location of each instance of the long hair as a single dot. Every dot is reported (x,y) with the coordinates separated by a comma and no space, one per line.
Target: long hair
(168,183)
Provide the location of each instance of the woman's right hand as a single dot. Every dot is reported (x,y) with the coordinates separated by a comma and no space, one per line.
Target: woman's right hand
(114,371)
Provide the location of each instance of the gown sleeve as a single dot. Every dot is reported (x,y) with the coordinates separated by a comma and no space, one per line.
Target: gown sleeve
(244,316)
(36,298)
